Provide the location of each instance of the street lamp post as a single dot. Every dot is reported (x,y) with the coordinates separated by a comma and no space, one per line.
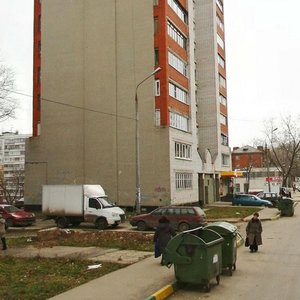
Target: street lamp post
(137,144)
(267,161)
(268,168)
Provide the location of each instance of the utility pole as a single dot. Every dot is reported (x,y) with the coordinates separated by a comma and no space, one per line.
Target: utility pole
(137,145)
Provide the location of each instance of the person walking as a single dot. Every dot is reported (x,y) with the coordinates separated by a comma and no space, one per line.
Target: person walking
(253,231)
(2,232)
(163,233)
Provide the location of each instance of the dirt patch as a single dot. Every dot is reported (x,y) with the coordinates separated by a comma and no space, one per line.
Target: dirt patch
(111,239)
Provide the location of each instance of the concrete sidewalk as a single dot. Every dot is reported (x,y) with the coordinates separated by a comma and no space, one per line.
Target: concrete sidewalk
(136,281)
(266,214)
(131,283)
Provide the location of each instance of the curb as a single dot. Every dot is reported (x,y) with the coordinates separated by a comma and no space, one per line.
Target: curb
(164,292)
(275,217)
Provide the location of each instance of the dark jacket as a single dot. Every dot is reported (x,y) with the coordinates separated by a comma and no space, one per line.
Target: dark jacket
(2,227)
(163,234)
(254,230)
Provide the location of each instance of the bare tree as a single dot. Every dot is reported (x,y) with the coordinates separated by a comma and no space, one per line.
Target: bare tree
(8,103)
(13,186)
(283,140)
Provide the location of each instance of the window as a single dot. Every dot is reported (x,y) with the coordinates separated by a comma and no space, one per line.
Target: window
(183,151)
(184,180)
(178,10)
(93,203)
(220,42)
(221,61)
(155,25)
(223,119)
(222,81)
(157,87)
(178,93)
(40,23)
(39,75)
(179,121)
(156,56)
(39,103)
(225,160)
(159,211)
(220,4)
(222,100)
(157,117)
(224,140)
(220,23)
(176,35)
(177,63)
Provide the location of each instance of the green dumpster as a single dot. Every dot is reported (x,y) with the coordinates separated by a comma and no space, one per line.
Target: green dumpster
(229,247)
(286,207)
(196,255)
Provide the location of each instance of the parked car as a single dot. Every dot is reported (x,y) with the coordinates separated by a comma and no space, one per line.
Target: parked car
(181,218)
(255,192)
(15,216)
(250,200)
(272,197)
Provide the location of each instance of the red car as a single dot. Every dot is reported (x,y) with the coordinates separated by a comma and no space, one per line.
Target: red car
(15,216)
(181,218)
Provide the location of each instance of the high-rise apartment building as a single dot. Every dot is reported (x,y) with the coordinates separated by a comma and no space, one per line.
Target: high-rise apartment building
(89,57)
(12,163)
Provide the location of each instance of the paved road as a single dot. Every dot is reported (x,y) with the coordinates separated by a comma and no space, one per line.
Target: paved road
(271,274)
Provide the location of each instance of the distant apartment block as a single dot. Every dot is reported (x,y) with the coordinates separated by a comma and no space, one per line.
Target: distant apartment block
(86,67)
(12,161)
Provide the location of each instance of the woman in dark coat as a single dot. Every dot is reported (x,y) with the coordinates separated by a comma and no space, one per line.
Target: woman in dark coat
(2,232)
(163,233)
(254,230)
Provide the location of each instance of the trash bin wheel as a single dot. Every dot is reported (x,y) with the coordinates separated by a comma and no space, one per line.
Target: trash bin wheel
(207,287)
(230,270)
(218,279)
(234,267)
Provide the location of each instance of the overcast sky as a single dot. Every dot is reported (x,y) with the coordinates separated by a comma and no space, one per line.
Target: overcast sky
(262,48)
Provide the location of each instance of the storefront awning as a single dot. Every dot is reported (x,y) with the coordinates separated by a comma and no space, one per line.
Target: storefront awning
(232,174)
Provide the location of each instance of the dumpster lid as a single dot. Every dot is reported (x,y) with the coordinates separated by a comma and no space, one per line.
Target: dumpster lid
(289,200)
(223,226)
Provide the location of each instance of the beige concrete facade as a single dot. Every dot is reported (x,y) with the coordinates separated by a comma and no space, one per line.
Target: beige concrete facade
(93,55)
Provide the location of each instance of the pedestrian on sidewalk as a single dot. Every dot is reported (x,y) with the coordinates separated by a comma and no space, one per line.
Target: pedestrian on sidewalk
(254,230)
(163,233)
(2,232)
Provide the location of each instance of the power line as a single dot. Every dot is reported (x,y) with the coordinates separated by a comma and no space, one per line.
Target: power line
(72,106)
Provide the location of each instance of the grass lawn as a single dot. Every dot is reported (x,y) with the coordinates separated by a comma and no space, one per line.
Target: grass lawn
(230,212)
(40,278)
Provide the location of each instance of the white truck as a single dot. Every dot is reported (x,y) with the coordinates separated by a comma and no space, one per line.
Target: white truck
(73,204)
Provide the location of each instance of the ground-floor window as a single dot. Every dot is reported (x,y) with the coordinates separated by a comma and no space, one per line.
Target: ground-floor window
(184,180)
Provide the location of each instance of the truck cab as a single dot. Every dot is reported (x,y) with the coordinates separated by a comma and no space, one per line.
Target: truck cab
(101,212)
